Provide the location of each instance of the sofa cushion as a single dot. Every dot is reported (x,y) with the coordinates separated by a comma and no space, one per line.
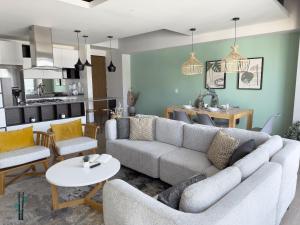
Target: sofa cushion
(242,151)
(142,156)
(172,195)
(244,135)
(169,131)
(16,139)
(177,166)
(141,129)
(69,130)
(251,162)
(74,145)
(221,149)
(123,128)
(273,145)
(198,137)
(22,156)
(203,194)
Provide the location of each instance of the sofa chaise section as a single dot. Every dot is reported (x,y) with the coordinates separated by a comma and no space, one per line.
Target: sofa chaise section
(179,165)
(126,205)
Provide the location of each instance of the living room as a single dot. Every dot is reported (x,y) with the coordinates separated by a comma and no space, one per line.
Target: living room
(136,112)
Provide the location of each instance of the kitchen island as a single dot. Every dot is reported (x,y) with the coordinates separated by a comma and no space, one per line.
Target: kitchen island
(50,110)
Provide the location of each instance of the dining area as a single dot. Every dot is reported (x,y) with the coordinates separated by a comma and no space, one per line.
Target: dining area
(218,116)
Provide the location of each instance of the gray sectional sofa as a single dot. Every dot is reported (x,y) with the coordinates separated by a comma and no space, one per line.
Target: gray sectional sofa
(256,190)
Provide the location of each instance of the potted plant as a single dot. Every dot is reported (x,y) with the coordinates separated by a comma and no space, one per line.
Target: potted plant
(132,98)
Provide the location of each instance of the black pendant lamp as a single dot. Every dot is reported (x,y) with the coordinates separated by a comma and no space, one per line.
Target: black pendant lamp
(79,65)
(111,67)
(86,61)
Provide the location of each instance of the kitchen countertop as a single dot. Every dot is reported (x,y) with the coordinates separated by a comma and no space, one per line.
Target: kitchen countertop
(66,100)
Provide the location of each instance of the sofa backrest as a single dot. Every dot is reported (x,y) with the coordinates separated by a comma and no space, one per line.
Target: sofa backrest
(198,137)
(200,196)
(169,131)
(246,135)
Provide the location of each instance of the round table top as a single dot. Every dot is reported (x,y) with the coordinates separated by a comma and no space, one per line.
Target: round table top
(71,173)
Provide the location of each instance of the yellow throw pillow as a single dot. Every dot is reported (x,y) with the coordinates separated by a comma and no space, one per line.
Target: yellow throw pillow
(12,140)
(68,130)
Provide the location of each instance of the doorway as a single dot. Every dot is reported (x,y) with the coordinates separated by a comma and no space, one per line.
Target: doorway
(99,90)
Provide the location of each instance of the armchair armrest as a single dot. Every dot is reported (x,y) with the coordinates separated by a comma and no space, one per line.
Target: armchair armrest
(90,130)
(43,138)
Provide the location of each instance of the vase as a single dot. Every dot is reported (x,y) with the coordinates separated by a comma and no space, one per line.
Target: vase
(131,111)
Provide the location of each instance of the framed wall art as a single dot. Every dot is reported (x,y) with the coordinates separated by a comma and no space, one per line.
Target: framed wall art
(252,79)
(214,78)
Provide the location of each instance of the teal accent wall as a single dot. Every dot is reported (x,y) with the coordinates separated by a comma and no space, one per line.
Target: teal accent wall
(156,74)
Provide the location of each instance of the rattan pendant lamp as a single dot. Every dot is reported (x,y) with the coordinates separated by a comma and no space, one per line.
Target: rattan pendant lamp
(234,62)
(192,66)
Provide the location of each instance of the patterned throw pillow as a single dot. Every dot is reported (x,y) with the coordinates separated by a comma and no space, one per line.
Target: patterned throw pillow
(141,128)
(221,149)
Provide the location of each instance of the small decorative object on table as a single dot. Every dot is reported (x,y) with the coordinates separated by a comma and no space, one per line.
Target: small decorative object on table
(132,98)
(214,102)
(118,113)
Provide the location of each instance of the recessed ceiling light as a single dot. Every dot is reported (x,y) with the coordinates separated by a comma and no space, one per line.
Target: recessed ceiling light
(84,3)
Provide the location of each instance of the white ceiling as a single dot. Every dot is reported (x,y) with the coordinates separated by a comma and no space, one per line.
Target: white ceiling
(124,18)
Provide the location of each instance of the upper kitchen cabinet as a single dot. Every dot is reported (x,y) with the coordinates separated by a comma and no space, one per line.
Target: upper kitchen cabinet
(10,53)
(65,58)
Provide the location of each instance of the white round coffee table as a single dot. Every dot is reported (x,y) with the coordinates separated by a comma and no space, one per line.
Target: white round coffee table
(70,173)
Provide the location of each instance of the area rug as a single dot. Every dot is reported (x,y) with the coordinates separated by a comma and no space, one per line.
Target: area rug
(37,208)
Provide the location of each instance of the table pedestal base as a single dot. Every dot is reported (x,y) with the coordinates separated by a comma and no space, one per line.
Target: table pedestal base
(82,201)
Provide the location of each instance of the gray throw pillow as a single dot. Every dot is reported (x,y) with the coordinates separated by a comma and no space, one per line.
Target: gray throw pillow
(171,196)
(242,151)
(123,128)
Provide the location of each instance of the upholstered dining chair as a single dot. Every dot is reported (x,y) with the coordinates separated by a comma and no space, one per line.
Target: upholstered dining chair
(23,158)
(79,144)
(268,126)
(204,119)
(181,116)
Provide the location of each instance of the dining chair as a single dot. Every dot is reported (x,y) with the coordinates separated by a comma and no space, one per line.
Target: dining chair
(268,126)
(204,119)
(181,116)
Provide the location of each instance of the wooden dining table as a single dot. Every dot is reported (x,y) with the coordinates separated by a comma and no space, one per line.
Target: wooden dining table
(231,114)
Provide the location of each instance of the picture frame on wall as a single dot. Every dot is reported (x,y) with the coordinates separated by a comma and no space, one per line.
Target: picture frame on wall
(253,78)
(214,78)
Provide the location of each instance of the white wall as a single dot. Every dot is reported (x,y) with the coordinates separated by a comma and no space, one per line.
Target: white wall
(296,116)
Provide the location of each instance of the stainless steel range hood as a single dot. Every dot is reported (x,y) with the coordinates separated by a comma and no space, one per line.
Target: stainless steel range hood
(41,48)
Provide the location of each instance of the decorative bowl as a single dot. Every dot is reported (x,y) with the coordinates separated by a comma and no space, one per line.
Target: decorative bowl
(213,109)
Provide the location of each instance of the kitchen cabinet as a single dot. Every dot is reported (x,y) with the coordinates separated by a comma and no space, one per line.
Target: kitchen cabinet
(42,74)
(65,58)
(11,53)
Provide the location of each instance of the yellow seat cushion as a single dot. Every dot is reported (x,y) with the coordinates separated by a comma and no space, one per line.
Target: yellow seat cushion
(67,131)
(12,140)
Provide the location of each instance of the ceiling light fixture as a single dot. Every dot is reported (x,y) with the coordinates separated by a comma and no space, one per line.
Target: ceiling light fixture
(234,62)
(192,66)
(86,61)
(111,67)
(78,66)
